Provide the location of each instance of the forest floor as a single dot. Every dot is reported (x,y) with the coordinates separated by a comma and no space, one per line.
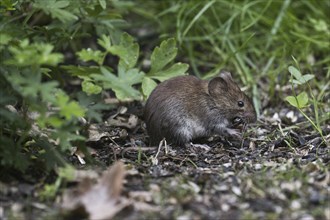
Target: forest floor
(273,173)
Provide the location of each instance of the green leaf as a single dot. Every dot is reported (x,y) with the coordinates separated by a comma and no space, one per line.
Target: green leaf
(89,54)
(29,85)
(8,4)
(292,100)
(305,78)
(69,109)
(299,78)
(94,105)
(294,72)
(294,81)
(105,42)
(47,90)
(56,9)
(67,172)
(66,136)
(26,86)
(82,71)
(127,50)
(12,154)
(4,39)
(177,69)
(26,54)
(54,121)
(300,101)
(90,88)
(130,77)
(49,191)
(148,85)
(319,25)
(163,55)
(121,84)
(103,4)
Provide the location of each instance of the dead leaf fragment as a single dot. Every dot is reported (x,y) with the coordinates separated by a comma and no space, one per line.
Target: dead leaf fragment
(119,121)
(95,133)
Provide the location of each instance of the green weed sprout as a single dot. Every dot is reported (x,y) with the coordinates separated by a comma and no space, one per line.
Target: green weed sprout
(302,100)
(65,174)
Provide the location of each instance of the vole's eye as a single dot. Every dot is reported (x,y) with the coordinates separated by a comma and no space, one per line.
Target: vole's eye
(240,104)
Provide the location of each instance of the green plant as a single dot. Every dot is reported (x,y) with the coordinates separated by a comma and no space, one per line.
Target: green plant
(39,120)
(301,101)
(22,74)
(123,81)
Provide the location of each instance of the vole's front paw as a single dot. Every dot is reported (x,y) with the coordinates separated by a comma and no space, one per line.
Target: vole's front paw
(234,133)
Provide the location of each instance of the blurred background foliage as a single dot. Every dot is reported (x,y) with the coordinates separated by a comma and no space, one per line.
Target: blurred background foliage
(42,40)
(256,40)
(256,37)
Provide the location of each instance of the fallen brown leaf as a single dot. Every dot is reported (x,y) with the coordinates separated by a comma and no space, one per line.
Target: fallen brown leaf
(101,200)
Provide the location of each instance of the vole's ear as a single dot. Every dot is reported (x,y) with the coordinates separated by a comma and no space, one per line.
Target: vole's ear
(217,86)
(220,84)
(225,75)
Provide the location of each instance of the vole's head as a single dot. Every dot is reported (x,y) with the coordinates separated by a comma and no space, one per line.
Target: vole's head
(230,100)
